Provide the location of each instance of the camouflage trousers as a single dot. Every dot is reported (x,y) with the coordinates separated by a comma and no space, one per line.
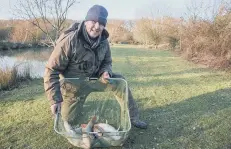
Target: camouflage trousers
(74,95)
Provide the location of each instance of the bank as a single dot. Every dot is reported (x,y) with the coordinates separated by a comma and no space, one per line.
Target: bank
(17,45)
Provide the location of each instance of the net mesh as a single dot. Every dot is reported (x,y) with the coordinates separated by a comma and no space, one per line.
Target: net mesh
(98,115)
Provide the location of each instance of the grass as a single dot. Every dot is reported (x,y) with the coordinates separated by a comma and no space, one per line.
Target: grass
(186,105)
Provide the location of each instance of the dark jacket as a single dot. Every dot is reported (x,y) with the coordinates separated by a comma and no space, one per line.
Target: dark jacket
(73,58)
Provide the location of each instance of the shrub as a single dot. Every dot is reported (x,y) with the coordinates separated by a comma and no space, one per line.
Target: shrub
(10,77)
(5,33)
(147,32)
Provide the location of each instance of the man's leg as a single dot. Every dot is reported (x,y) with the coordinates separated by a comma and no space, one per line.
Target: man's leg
(74,94)
(133,108)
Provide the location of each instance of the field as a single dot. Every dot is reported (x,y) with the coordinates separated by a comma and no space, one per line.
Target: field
(185,105)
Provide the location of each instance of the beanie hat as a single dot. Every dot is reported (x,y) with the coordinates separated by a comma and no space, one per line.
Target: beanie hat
(97,13)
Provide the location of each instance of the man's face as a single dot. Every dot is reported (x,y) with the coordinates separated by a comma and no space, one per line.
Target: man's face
(94,29)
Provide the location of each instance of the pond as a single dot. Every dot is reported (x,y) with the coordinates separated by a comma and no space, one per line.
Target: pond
(32,59)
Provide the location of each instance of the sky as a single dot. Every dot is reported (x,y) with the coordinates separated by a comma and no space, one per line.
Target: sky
(121,9)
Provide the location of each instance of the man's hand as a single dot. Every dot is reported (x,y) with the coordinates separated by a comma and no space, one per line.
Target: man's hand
(104,77)
(54,108)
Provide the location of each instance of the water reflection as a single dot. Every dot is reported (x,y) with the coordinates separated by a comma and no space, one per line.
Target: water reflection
(35,59)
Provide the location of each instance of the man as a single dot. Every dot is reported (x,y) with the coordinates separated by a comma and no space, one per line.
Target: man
(83,51)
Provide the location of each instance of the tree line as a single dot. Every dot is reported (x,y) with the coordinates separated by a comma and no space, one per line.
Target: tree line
(143,31)
(195,37)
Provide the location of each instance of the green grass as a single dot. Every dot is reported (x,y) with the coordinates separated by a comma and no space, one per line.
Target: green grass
(186,105)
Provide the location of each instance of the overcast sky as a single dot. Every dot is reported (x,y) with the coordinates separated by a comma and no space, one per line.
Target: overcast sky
(121,9)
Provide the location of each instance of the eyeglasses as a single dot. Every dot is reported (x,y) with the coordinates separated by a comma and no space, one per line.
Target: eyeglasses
(97,23)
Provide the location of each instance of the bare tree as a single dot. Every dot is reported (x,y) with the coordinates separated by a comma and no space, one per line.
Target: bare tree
(129,25)
(48,15)
(204,10)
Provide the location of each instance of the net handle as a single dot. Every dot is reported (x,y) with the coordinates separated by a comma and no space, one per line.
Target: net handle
(57,115)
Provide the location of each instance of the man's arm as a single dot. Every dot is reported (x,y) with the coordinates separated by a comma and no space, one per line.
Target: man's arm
(55,66)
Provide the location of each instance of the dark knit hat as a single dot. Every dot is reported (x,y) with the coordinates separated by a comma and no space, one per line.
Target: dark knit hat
(97,13)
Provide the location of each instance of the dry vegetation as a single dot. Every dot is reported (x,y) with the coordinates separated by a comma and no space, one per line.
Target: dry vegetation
(10,77)
(20,31)
(118,31)
(208,41)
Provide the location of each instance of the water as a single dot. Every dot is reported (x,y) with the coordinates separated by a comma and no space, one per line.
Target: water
(34,59)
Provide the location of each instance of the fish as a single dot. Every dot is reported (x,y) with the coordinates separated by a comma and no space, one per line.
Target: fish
(93,134)
(108,130)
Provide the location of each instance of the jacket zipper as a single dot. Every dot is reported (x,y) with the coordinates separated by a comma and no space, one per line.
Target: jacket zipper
(86,46)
